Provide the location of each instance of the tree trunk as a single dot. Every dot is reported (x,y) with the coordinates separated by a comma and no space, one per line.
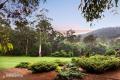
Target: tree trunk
(26,50)
(40,50)
(40,45)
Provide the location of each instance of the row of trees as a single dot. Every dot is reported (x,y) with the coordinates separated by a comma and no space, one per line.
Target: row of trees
(42,40)
(26,39)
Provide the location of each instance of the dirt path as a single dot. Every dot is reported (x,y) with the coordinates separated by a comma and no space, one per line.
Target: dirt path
(24,74)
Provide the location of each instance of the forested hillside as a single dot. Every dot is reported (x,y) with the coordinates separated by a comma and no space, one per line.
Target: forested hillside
(108,33)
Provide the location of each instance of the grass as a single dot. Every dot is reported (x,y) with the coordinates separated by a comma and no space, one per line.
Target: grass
(10,62)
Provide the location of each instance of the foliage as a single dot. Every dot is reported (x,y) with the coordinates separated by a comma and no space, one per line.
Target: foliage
(44,29)
(60,62)
(62,53)
(74,48)
(22,9)
(117,52)
(88,7)
(81,48)
(24,39)
(58,69)
(43,67)
(100,47)
(46,48)
(27,40)
(89,39)
(23,65)
(93,9)
(98,64)
(5,44)
(96,46)
(110,52)
(70,72)
(70,36)
(6,47)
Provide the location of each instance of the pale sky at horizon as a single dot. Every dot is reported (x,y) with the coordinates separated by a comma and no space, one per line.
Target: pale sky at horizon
(65,15)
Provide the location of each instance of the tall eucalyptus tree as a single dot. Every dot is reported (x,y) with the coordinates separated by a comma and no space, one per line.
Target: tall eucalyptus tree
(44,28)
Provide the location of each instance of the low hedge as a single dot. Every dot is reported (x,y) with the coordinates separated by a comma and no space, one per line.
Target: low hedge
(98,63)
(62,53)
(43,67)
(23,65)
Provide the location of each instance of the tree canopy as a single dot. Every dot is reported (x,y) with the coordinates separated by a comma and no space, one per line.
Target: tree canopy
(18,9)
(91,9)
(94,9)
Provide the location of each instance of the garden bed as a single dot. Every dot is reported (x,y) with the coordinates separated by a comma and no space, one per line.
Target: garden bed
(27,75)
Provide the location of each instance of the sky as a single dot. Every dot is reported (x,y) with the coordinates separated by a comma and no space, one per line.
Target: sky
(65,15)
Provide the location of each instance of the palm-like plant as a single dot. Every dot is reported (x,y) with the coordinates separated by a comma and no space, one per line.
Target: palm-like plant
(5,44)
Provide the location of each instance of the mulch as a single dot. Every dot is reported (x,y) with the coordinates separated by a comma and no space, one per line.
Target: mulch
(24,74)
(111,75)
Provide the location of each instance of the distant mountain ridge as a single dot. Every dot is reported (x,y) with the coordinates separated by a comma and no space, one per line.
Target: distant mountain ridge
(108,33)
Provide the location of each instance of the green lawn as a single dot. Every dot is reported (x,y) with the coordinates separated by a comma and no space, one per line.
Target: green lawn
(9,62)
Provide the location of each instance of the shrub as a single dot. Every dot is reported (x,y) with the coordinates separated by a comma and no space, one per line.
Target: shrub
(23,65)
(70,54)
(43,67)
(98,64)
(62,53)
(67,46)
(70,72)
(58,69)
(56,54)
(110,52)
(60,63)
(117,52)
